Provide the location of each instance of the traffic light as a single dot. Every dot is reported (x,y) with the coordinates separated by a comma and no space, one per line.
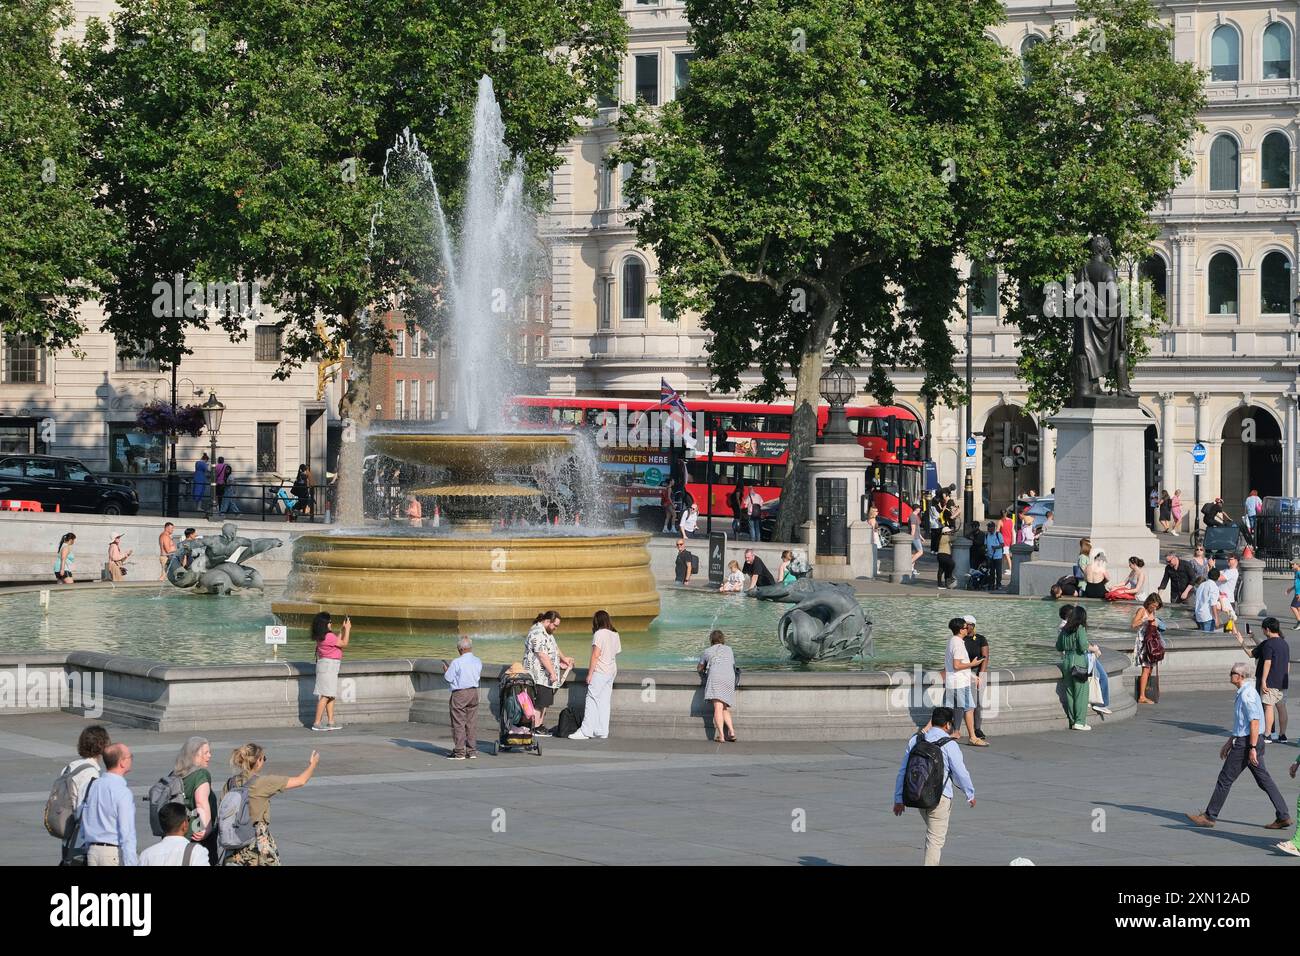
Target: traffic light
(1018,456)
(996,444)
(1031,449)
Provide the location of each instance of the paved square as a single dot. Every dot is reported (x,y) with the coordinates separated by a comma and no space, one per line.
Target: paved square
(385,795)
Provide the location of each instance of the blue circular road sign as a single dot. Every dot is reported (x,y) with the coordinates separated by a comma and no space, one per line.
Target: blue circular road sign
(970,447)
(1198,452)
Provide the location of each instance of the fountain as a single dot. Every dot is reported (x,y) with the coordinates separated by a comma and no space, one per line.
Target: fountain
(471,574)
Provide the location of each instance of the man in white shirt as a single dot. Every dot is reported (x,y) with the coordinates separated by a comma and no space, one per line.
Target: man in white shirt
(1206,602)
(957,690)
(176,848)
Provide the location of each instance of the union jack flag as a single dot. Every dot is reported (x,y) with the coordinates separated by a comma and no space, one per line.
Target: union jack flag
(680,420)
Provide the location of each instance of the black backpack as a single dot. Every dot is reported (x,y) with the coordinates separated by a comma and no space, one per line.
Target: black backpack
(566,725)
(925,774)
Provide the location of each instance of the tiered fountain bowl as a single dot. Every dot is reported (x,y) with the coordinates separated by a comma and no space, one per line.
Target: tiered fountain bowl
(470,576)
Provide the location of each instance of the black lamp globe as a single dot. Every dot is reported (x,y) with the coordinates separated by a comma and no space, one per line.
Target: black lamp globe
(837,385)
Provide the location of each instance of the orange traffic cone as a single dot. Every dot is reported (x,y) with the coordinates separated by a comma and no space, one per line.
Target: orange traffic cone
(57,508)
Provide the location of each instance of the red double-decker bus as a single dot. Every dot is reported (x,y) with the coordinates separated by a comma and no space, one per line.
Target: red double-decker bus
(639,450)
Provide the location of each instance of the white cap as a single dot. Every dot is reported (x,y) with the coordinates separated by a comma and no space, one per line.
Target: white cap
(968,619)
(116,536)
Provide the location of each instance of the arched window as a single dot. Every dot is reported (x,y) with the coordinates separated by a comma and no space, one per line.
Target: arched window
(1153,270)
(1275,284)
(1223,284)
(1026,45)
(1275,162)
(1223,164)
(1277,52)
(1225,55)
(982,290)
(633,289)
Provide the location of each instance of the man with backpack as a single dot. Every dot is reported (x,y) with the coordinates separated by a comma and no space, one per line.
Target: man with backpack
(63,809)
(925,779)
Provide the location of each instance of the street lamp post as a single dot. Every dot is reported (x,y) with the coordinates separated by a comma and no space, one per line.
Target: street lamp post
(212,412)
(968,495)
(837,386)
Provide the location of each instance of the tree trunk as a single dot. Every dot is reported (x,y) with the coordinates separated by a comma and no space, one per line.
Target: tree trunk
(803,427)
(354,405)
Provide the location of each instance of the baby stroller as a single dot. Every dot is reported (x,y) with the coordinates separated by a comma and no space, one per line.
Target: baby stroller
(979,579)
(516,728)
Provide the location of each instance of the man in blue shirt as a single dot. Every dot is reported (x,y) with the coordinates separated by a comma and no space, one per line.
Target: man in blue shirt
(954,768)
(108,813)
(463,675)
(1244,751)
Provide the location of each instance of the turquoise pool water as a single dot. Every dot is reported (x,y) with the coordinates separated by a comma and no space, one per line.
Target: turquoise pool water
(186,628)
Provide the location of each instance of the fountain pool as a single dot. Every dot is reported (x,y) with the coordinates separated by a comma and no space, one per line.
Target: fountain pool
(183,628)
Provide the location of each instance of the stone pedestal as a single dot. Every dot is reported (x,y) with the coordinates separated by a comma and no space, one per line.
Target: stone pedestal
(1100,462)
(1021,554)
(1252,588)
(839,461)
(960,559)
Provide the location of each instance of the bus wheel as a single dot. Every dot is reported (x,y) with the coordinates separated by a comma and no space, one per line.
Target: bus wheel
(885,536)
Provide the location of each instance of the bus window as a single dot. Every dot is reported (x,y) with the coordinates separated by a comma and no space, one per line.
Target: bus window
(596,417)
(779,423)
(567,416)
(775,474)
(536,414)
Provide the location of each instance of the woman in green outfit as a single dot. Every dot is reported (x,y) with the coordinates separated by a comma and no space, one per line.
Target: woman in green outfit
(192,767)
(1072,642)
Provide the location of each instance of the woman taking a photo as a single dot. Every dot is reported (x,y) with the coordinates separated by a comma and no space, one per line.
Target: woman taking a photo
(1143,616)
(329,658)
(63,562)
(605,646)
(718,664)
(249,762)
(200,799)
(1072,642)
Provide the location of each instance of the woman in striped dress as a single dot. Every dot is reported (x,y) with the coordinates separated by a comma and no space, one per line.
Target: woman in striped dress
(718,663)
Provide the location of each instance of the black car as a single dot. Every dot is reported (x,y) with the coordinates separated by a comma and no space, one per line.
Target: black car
(66,483)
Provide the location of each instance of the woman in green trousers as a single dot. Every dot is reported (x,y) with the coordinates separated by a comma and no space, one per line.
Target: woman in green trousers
(1072,642)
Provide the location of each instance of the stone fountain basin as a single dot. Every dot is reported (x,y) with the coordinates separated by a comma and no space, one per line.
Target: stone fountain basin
(472,453)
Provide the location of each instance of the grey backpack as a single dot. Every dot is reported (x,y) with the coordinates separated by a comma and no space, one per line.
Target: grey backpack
(61,806)
(234,819)
(169,789)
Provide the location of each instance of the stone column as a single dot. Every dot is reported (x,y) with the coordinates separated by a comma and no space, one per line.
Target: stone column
(1251,604)
(960,558)
(1288,447)
(1046,459)
(902,545)
(1020,553)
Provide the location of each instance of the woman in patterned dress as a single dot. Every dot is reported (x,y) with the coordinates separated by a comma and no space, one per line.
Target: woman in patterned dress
(249,762)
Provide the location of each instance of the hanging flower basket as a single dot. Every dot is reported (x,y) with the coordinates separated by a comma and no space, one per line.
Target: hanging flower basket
(158,418)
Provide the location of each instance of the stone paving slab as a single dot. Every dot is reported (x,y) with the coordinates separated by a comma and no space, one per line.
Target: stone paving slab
(385,795)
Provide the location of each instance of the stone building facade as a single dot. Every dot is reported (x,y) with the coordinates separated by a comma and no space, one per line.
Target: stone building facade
(1224,372)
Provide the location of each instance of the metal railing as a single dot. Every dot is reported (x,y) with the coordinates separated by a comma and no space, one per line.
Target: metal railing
(239,499)
(1277,540)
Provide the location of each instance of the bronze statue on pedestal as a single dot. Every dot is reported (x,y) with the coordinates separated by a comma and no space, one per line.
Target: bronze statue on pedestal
(1100,348)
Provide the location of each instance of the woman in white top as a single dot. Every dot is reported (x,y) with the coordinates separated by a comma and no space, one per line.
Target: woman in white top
(690,520)
(605,646)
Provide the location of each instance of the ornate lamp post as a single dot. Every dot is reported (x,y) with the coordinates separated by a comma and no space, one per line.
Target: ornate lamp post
(837,386)
(212,412)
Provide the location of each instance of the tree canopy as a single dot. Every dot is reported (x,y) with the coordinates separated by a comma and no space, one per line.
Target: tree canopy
(52,238)
(808,193)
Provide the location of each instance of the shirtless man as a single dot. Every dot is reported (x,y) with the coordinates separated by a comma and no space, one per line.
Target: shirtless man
(166,548)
